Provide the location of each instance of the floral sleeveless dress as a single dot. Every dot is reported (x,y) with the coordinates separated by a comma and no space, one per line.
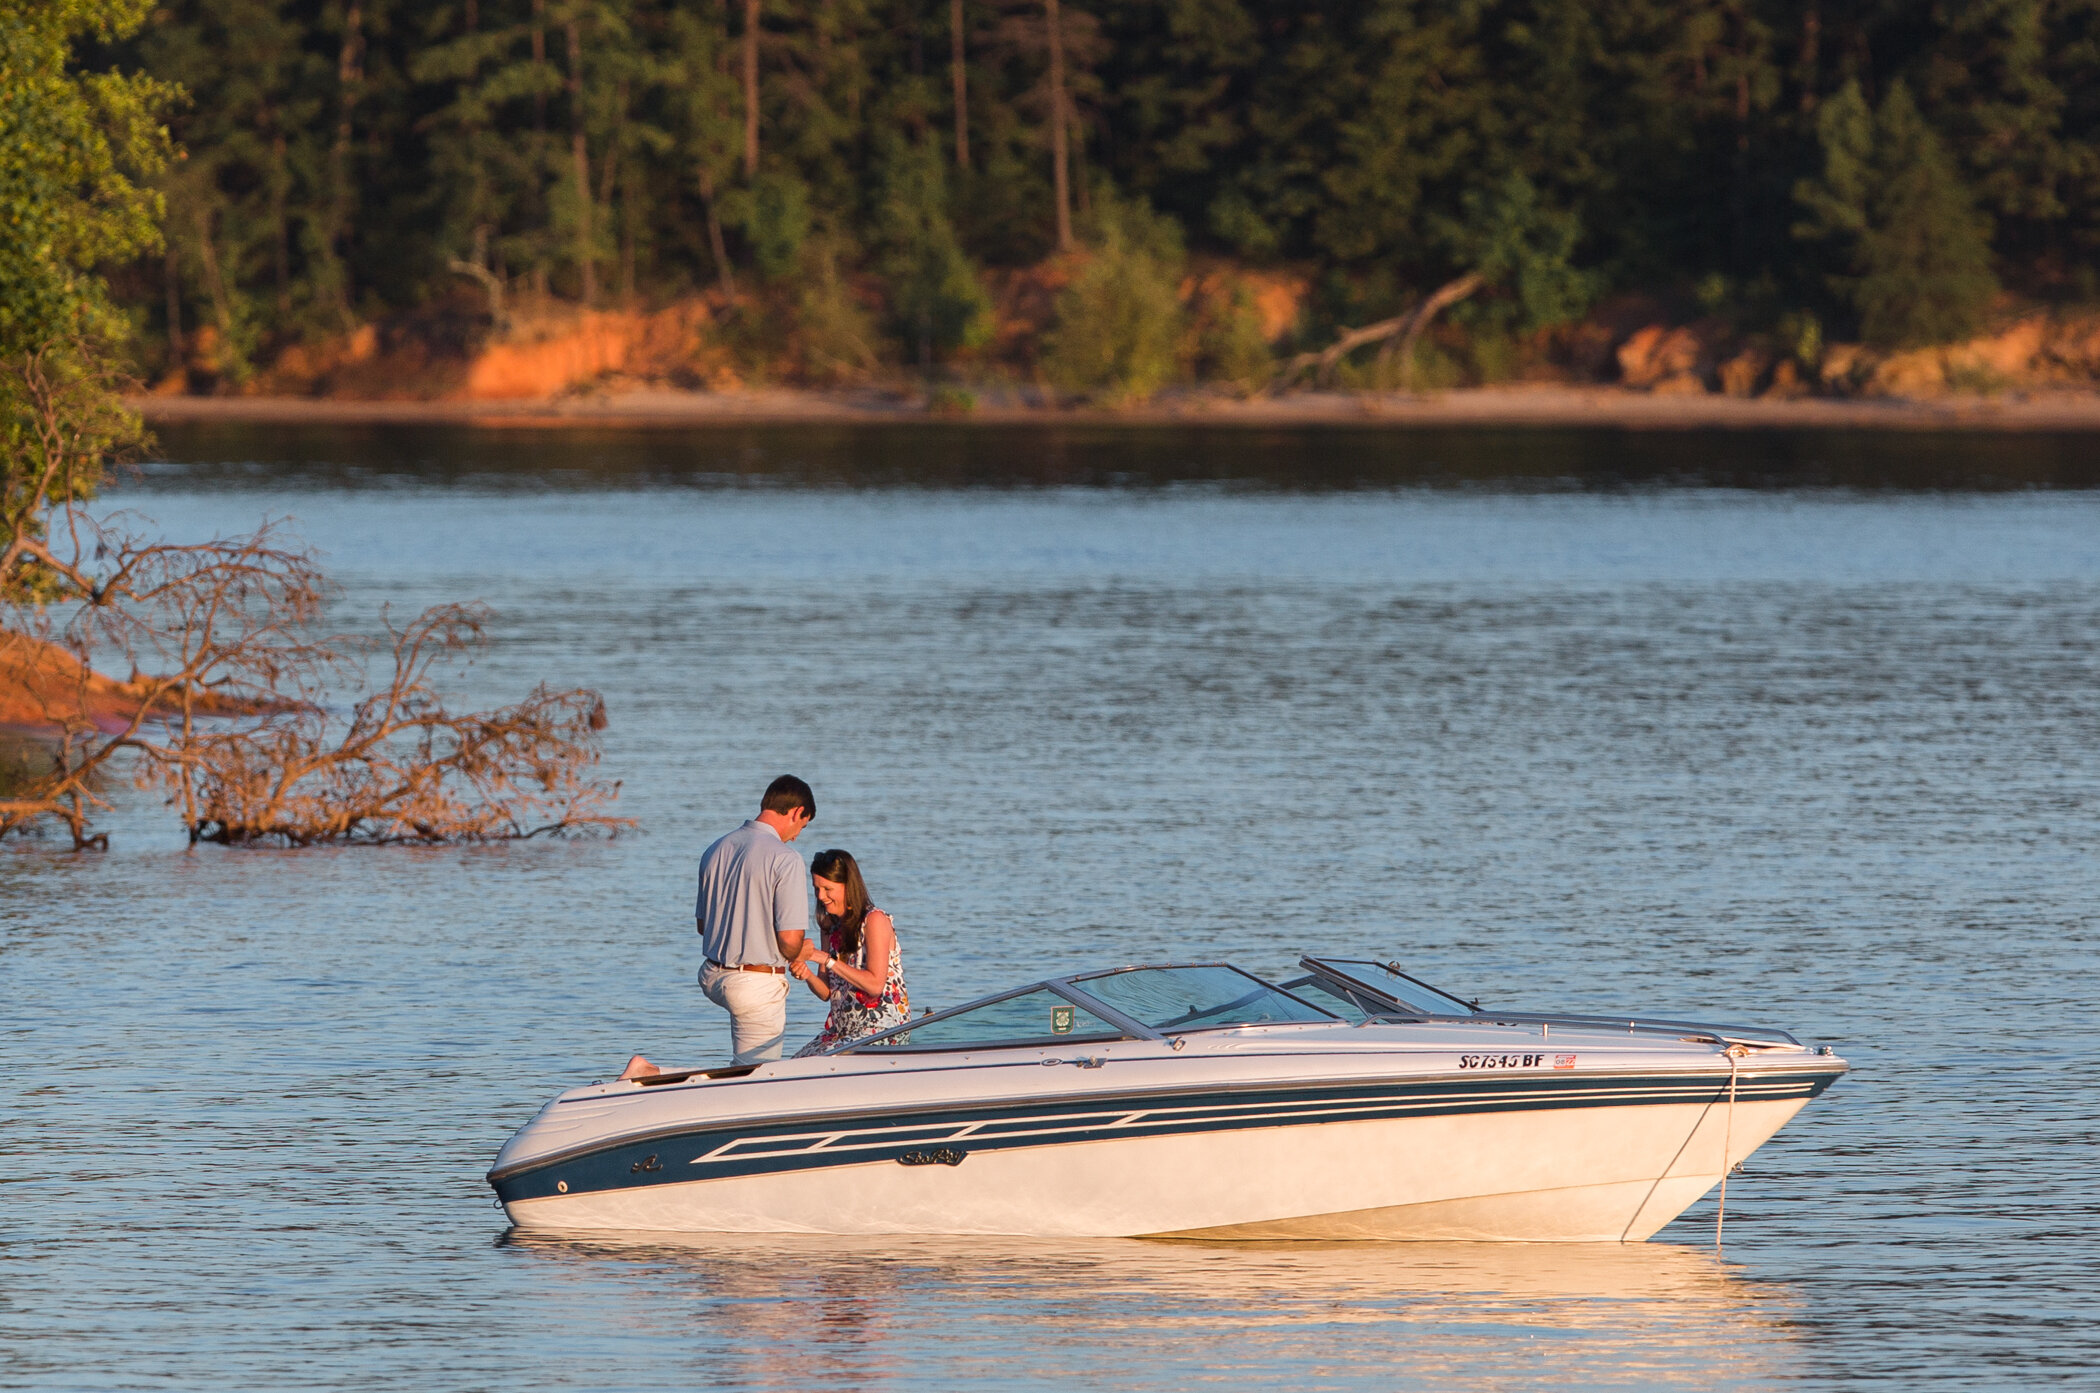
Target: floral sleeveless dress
(853,1013)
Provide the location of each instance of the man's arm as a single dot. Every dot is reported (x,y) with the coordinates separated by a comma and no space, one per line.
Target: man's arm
(791,909)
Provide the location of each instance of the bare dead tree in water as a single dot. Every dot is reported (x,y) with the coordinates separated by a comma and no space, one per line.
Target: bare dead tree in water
(402,767)
(219,624)
(253,725)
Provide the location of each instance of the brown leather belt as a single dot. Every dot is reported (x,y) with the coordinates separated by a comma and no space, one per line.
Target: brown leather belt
(748,967)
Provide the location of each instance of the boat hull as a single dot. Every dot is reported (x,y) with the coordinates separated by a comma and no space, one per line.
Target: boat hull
(1588,1173)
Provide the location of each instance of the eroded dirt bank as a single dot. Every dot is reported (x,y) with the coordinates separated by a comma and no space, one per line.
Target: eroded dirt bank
(45,691)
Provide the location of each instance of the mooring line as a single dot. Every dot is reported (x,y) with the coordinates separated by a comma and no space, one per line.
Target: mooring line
(1664,1174)
(1735,1054)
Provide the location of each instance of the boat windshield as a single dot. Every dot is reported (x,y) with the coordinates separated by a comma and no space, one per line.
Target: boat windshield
(1039,1017)
(1387,981)
(1193,998)
(1323,994)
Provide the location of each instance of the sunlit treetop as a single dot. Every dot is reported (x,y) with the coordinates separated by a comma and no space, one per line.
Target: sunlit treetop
(76,150)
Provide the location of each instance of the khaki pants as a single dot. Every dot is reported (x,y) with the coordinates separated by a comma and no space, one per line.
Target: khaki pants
(757,1007)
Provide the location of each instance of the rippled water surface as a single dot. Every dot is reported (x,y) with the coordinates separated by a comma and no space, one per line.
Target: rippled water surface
(1551,717)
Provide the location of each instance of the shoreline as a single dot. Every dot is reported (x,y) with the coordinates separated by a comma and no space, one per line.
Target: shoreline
(1519,407)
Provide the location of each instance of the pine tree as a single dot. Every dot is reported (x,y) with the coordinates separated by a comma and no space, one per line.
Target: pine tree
(1925,255)
(1914,251)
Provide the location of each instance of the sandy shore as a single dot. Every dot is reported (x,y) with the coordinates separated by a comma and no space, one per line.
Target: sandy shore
(1520,406)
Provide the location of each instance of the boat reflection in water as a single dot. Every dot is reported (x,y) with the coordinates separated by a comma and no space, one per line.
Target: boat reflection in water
(795,1311)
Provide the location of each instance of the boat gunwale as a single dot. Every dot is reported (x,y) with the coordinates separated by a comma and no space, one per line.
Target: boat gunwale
(1829,1067)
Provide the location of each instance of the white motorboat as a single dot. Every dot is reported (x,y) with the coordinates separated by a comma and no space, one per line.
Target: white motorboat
(1191,1101)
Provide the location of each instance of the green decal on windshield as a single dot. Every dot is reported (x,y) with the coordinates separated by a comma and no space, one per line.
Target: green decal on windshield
(1060,1020)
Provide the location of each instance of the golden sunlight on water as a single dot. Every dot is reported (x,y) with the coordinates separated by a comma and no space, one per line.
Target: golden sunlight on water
(1300,1315)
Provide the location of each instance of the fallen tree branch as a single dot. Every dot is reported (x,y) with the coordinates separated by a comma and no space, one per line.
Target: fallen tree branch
(1447,295)
(490,282)
(255,730)
(1406,328)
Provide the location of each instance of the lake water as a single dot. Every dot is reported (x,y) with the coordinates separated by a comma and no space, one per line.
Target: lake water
(1772,728)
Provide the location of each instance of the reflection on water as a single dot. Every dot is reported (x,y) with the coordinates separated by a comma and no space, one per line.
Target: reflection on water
(960,455)
(800,1313)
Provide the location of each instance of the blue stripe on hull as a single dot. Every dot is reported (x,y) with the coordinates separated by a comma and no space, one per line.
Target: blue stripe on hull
(951,1134)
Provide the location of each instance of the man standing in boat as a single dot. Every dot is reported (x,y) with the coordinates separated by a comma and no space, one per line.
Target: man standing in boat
(753,917)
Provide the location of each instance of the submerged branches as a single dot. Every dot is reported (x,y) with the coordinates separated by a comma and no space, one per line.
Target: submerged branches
(255,728)
(404,768)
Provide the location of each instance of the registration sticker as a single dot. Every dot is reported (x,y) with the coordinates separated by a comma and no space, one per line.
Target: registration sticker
(1060,1020)
(1564,1061)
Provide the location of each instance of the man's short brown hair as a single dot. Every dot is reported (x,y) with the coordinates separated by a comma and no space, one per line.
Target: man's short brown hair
(787,793)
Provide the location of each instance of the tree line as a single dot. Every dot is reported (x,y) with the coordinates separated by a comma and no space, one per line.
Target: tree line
(1884,168)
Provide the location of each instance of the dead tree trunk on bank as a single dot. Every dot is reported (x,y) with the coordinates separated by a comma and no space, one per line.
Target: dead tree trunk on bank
(1406,329)
(490,283)
(715,243)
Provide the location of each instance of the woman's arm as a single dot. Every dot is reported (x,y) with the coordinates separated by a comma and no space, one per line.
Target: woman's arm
(809,974)
(878,936)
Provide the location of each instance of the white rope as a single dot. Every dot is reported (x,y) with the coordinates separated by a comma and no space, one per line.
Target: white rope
(1735,1054)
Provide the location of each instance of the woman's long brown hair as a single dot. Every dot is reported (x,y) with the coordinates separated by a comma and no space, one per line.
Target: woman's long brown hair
(841,868)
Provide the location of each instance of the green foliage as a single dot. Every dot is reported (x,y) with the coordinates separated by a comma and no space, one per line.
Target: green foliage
(1512,238)
(775,216)
(1836,203)
(836,333)
(1801,334)
(75,152)
(1914,250)
(1495,356)
(1234,221)
(938,300)
(1230,345)
(1119,334)
(1925,256)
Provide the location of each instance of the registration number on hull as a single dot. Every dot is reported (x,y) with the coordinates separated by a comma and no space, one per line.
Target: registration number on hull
(1500,1061)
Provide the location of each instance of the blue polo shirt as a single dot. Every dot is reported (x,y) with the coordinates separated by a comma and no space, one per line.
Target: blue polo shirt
(752,887)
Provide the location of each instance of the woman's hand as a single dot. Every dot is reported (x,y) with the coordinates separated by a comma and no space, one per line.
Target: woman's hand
(804,968)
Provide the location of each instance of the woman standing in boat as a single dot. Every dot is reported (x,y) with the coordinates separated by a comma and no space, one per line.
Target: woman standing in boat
(860,968)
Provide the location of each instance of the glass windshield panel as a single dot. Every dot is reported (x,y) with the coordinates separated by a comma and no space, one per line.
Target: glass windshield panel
(1032,1018)
(1388,981)
(1190,998)
(1320,994)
